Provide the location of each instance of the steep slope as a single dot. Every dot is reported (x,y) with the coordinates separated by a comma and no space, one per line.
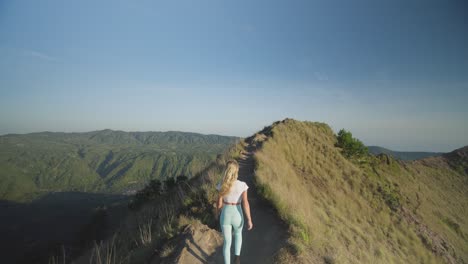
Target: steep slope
(382,211)
(100,161)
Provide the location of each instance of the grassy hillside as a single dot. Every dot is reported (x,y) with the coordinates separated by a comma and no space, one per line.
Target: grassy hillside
(403,155)
(100,161)
(378,211)
(368,210)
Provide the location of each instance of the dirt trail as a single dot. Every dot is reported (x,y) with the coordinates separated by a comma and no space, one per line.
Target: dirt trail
(269,233)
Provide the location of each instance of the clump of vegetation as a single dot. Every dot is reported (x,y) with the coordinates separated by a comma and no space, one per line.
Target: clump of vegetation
(155,189)
(352,148)
(390,195)
(453,225)
(107,252)
(58,259)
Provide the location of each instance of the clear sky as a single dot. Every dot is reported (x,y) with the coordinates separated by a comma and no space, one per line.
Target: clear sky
(395,73)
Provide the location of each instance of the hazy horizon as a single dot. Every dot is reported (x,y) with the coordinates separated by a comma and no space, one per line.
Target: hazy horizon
(394,73)
(227,135)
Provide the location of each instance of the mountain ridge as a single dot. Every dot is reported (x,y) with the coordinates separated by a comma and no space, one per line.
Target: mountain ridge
(403,155)
(105,160)
(338,209)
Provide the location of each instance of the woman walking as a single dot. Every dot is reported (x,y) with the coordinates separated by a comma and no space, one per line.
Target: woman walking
(231,193)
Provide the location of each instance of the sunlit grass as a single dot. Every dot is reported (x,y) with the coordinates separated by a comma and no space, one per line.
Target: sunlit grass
(342,212)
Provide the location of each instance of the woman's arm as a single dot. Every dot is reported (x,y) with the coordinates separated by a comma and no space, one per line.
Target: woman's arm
(245,203)
(219,205)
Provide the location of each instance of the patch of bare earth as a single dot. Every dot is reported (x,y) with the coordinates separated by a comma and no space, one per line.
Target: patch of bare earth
(195,245)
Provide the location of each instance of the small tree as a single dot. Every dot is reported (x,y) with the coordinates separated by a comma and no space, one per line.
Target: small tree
(351,147)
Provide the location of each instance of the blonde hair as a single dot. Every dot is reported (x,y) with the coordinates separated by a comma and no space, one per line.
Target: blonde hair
(230,176)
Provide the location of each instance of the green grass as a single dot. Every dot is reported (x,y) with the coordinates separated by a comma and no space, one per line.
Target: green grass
(100,161)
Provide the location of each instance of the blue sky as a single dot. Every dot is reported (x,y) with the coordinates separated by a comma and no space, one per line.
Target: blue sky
(395,73)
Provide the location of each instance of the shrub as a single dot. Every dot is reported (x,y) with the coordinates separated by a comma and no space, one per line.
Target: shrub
(169,183)
(351,147)
(390,196)
(181,179)
(153,190)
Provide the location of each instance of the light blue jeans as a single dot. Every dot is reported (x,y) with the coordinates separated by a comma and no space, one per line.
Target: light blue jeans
(231,218)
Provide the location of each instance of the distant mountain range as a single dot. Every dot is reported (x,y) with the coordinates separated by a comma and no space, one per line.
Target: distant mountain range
(403,155)
(100,161)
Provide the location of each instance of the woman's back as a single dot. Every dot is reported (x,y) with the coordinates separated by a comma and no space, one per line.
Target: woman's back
(235,193)
(231,193)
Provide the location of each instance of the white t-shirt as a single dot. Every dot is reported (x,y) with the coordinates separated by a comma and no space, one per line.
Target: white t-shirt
(235,193)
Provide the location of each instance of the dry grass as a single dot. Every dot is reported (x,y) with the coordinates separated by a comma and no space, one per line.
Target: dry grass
(107,252)
(145,234)
(332,206)
(438,195)
(58,259)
